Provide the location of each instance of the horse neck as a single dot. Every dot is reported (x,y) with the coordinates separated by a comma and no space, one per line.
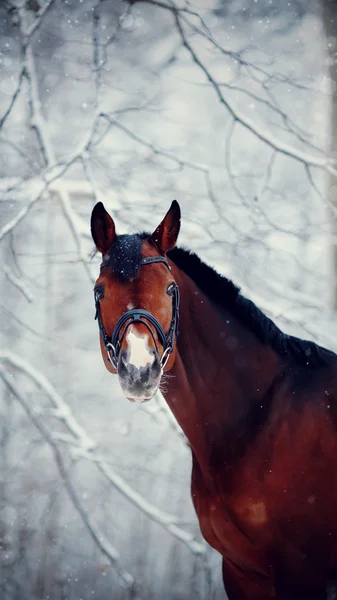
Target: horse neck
(220,374)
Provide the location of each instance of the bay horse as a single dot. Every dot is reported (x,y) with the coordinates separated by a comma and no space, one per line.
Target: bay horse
(258,407)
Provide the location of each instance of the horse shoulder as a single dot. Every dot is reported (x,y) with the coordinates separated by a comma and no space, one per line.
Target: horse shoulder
(222,528)
(202,501)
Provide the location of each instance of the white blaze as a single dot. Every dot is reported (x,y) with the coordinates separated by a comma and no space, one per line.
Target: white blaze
(139,350)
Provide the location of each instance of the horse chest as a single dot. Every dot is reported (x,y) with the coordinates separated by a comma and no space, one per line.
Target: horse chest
(236,527)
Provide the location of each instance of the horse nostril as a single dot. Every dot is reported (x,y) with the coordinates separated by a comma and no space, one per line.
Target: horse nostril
(145,373)
(155,367)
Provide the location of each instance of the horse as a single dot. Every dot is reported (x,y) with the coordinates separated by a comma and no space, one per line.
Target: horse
(258,407)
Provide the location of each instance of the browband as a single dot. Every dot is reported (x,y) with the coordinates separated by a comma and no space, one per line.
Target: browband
(144,261)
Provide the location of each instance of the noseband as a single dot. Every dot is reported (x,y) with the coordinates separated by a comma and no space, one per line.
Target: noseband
(138,315)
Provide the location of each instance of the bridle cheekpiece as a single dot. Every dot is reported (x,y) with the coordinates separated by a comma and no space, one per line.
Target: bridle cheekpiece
(113,344)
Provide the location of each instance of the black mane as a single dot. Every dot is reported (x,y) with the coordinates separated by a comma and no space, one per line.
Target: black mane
(226,294)
(125,257)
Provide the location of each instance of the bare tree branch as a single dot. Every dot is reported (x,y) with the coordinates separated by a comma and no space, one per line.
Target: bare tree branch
(72,219)
(160,151)
(64,413)
(259,132)
(5,116)
(32,29)
(21,285)
(104,545)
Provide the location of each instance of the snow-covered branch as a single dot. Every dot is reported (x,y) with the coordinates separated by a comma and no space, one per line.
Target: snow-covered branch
(29,31)
(21,285)
(258,131)
(6,114)
(76,228)
(99,538)
(155,149)
(64,413)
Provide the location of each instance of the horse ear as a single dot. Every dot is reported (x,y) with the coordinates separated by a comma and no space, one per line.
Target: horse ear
(166,234)
(102,228)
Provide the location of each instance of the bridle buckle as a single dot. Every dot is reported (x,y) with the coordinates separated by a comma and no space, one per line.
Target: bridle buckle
(112,354)
(165,356)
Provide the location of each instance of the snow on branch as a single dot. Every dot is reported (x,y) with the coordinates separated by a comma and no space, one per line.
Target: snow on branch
(160,151)
(40,188)
(21,285)
(10,225)
(169,522)
(259,132)
(53,170)
(104,545)
(31,30)
(238,117)
(64,412)
(75,227)
(40,127)
(37,120)
(5,116)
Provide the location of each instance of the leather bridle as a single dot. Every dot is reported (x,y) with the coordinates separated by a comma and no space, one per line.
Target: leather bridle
(113,344)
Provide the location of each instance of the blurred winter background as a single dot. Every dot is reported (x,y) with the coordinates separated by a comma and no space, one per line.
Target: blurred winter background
(230,107)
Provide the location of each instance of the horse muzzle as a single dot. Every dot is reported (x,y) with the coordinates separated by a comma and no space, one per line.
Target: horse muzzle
(139,384)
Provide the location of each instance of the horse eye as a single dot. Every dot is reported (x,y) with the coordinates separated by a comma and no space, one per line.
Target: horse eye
(170,288)
(99,292)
